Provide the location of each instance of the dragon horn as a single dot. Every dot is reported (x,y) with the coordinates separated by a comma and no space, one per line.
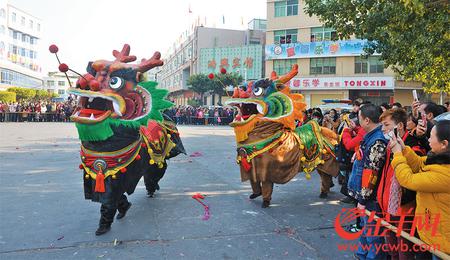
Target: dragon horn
(290,75)
(274,75)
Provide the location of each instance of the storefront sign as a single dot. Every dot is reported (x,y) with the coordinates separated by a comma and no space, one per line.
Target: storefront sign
(245,60)
(343,83)
(315,49)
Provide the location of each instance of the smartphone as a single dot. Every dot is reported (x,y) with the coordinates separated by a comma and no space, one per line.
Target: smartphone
(414,92)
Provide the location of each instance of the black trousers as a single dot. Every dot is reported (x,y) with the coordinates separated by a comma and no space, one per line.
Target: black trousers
(108,210)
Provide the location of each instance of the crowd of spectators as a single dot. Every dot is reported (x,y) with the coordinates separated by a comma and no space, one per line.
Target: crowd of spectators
(36,111)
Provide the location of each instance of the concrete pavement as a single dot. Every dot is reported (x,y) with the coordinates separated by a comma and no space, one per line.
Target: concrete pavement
(44,215)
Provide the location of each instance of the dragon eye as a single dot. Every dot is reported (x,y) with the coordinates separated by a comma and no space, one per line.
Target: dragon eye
(258,91)
(116,82)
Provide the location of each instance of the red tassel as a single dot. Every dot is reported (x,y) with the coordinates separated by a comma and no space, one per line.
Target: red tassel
(100,182)
(143,145)
(247,166)
(138,157)
(123,170)
(81,167)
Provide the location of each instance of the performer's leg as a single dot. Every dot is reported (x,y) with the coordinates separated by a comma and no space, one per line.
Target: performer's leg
(107,212)
(325,180)
(267,188)
(256,187)
(123,206)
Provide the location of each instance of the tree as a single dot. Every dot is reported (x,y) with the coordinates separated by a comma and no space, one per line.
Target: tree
(23,94)
(7,96)
(411,35)
(221,81)
(42,94)
(199,83)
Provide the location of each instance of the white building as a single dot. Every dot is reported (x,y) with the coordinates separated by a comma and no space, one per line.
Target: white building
(20,33)
(56,82)
(184,59)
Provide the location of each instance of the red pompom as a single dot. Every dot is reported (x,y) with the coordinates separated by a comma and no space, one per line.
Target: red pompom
(123,170)
(82,83)
(211,76)
(143,145)
(81,167)
(94,85)
(223,70)
(63,67)
(138,157)
(53,48)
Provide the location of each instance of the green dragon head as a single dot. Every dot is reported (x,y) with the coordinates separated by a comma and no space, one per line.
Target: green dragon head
(113,93)
(265,100)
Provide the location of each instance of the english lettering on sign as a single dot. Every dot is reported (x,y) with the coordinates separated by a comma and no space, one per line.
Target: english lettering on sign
(328,83)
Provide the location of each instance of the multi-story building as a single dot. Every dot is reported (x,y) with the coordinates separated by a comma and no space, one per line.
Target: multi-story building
(328,68)
(56,82)
(207,50)
(20,33)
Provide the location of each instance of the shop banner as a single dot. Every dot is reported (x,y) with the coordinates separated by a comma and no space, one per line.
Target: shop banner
(315,49)
(343,83)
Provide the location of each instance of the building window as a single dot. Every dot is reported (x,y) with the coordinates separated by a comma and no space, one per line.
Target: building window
(282,67)
(22,21)
(360,65)
(319,34)
(2,29)
(2,13)
(376,65)
(61,91)
(286,8)
(285,36)
(370,65)
(31,24)
(322,66)
(39,27)
(50,83)
(61,83)
(17,79)
(13,17)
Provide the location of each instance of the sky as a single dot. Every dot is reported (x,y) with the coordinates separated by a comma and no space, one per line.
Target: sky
(86,30)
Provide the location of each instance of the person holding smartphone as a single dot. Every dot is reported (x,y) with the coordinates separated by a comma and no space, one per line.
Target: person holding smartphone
(429,176)
(392,198)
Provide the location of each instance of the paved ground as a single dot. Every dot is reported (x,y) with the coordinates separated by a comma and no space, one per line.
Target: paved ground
(43,214)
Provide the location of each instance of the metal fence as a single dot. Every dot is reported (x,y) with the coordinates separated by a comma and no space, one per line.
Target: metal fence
(33,117)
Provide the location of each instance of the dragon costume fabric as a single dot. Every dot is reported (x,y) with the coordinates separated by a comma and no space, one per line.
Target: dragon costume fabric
(123,134)
(270,148)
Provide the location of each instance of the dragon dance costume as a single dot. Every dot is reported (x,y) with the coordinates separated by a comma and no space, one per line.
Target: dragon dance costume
(123,134)
(270,148)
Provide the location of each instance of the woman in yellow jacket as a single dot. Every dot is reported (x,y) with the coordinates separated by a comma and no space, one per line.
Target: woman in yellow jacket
(429,176)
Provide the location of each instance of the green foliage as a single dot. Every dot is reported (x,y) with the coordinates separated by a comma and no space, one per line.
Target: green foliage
(42,94)
(193,102)
(411,35)
(23,94)
(199,83)
(7,96)
(221,81)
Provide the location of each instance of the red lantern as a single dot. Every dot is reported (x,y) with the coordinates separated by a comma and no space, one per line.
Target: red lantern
(223,71)
(211,76)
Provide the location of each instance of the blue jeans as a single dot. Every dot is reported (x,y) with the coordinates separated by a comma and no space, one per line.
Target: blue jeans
(367,248)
